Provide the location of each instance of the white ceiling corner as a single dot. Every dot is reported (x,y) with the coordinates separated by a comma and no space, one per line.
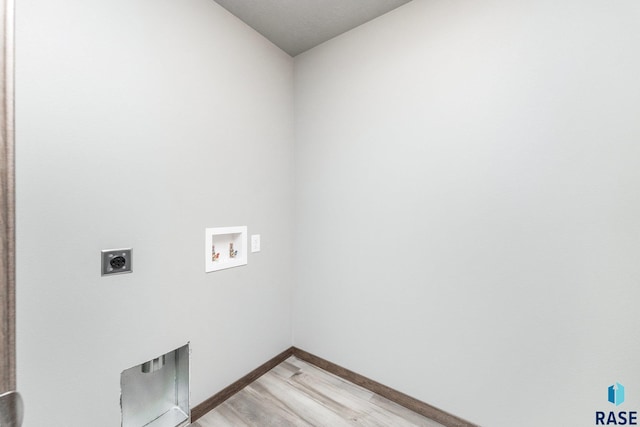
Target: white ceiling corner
(298,25)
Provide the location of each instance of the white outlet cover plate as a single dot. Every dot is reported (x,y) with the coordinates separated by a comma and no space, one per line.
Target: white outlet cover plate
(255,243)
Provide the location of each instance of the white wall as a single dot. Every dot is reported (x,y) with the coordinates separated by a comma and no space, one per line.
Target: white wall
(140,123)
(467,201)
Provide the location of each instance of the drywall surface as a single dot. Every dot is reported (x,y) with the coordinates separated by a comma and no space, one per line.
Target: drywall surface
(140,123)
(468,206)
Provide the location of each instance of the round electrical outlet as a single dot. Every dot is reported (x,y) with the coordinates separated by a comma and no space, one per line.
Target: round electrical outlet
(118,262)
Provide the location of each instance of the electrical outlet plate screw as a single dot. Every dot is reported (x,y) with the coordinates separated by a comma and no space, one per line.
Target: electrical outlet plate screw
(117,261)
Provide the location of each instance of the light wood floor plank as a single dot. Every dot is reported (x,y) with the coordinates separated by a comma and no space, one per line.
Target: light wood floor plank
(298,394)
(331,378)
(306,407)
(401,411)
(223,416)
(360,407)
(261,412)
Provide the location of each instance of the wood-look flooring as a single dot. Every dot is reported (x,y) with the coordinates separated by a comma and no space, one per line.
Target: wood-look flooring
(295,393)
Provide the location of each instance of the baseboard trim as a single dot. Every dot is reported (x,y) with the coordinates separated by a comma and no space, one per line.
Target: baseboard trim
(199,410)
(400,398)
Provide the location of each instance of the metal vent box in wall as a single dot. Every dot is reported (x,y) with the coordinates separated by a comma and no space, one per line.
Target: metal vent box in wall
(225,247)
(156,392)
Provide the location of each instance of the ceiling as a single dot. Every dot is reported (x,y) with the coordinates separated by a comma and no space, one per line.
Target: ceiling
(298,25)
